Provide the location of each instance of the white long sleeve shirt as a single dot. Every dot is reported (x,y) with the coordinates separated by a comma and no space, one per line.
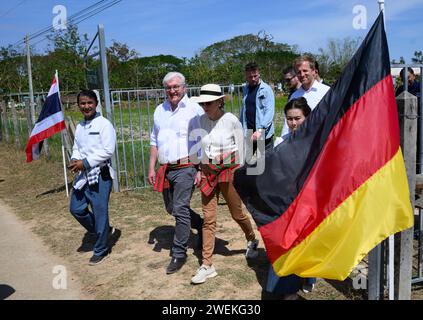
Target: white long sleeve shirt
(172,128)
(224,135)
(95,141)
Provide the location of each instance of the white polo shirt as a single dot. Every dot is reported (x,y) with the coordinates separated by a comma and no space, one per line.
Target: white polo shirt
(171,129)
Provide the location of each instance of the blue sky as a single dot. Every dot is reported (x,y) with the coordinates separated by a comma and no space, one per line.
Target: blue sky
(183,27)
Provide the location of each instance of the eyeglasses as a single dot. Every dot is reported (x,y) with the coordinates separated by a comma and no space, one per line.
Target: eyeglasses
(175,87)
(288,79)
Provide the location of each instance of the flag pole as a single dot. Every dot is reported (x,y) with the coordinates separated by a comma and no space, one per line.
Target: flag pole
(64,171)
(381,6)
(391,245)
(382,9)
(61,135)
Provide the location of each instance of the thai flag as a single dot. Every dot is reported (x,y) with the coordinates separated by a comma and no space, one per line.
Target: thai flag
(49,122)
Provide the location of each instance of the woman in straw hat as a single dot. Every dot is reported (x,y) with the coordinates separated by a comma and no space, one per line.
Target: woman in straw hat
(222,153)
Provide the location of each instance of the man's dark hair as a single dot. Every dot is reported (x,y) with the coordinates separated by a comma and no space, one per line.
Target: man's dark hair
(87,93)
(290,70)
(251,66)
(300,103)
(402,72)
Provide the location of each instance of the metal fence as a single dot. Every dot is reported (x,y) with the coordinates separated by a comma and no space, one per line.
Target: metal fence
(132,116)
(380,276)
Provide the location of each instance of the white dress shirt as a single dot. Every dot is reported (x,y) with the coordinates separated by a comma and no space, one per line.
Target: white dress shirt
(313,96)
(171,129)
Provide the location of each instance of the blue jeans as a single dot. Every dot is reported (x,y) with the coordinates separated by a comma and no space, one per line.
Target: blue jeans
(285,285)
(177,202)
(97,221)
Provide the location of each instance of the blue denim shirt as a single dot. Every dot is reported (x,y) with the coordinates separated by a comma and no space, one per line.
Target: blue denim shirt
(265,104)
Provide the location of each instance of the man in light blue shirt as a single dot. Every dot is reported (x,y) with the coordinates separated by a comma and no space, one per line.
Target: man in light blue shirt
(258,108)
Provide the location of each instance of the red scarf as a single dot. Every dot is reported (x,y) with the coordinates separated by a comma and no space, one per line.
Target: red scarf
(162,181)
(217,173)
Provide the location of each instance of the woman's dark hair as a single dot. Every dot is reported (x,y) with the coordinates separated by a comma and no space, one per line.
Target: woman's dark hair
(299,103)
(87,93)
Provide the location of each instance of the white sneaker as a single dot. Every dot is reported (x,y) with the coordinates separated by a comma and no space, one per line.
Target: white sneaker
(307,287)
(203,273)
(252,249)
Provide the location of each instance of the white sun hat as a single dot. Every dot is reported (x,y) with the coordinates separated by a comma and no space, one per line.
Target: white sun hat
(209,92)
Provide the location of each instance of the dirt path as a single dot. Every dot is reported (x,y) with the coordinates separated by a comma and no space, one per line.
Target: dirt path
(136,267)
(27,269)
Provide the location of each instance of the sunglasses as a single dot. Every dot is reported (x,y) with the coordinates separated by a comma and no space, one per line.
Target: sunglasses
(206,103)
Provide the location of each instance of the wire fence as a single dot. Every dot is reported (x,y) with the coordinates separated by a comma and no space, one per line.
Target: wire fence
(132,116)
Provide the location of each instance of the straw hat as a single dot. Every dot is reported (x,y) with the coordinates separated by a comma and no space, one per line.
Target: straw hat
(209,92)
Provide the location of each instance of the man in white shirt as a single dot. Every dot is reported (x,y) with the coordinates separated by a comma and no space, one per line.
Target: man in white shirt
(94,145)
(311,89)
(177,176)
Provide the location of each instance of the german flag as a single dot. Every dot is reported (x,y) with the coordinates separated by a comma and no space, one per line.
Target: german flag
(337,187)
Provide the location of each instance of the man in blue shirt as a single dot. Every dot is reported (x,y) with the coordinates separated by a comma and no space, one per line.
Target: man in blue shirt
(258,108)
(413,85)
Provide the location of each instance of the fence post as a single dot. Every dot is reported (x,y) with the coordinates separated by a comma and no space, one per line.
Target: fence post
(15,125)
(106,93)
(5,124)
(1,121)
(375,275)
(28,116)
(408,114)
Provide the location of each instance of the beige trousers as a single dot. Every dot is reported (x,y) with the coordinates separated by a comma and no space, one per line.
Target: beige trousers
(209,205)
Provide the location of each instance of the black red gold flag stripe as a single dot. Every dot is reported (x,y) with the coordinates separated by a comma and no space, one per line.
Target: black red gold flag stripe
(337,187)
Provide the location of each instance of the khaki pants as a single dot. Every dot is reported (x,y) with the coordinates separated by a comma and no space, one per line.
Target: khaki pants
(209,205)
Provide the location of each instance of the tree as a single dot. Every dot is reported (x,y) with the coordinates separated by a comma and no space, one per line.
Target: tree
(70,40)
(223,62)
(65,54)
(144,72)
(244,45)
(418,57)
(335,57)
(121,52)
(12,70)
